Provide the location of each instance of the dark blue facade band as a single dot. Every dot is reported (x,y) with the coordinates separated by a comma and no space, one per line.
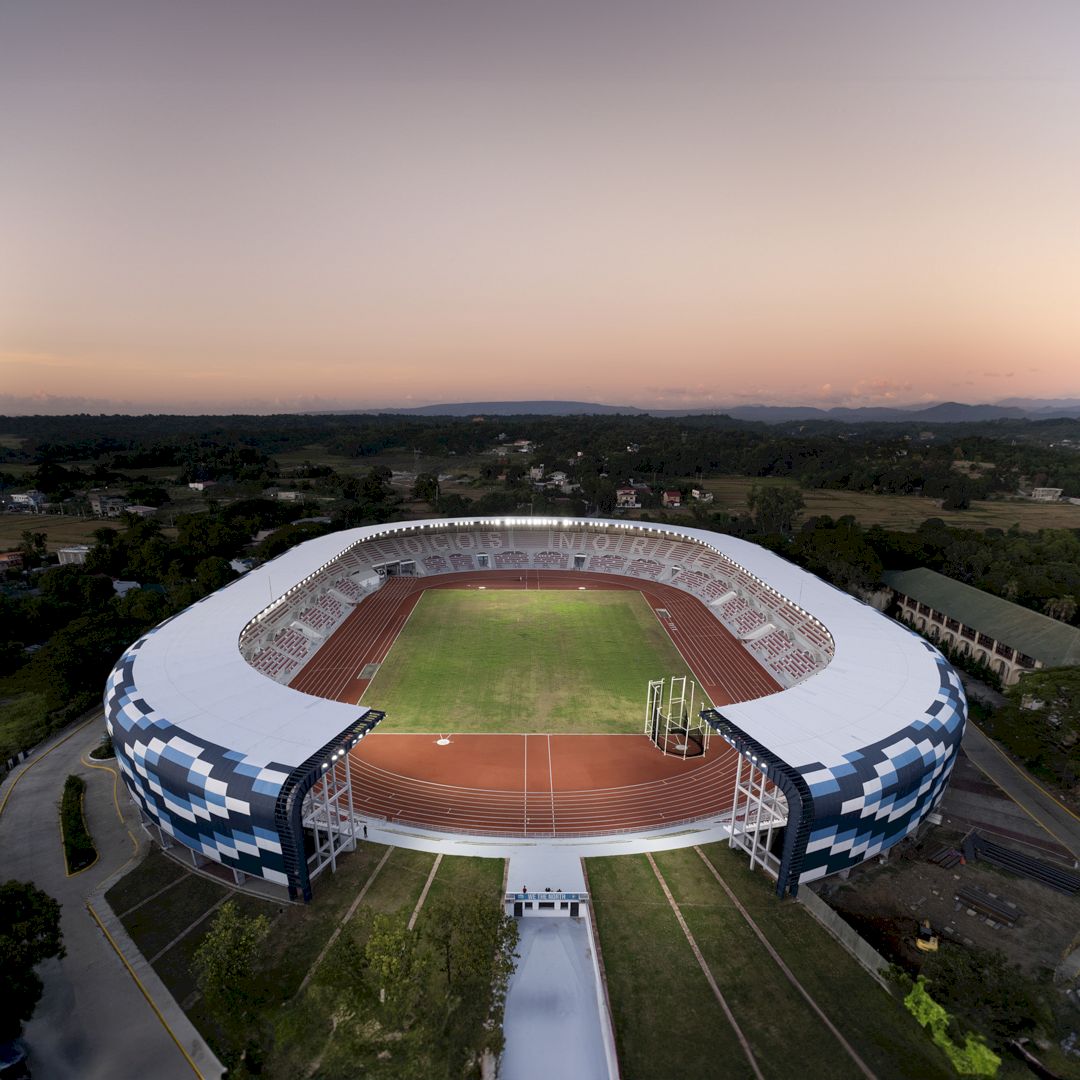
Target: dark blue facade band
(288,809)
(789,781)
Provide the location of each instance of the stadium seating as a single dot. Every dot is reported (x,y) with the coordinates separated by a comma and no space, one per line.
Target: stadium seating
(797,646)
(349,589)
(551,560)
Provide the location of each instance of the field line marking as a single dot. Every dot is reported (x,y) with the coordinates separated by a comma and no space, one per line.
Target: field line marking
(705,969)
(187,930)
(862,1066)
(423,895)
(121,915)
(341,925)
(145,993)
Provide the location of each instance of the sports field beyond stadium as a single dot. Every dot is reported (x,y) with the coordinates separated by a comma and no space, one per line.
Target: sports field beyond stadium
(553,661)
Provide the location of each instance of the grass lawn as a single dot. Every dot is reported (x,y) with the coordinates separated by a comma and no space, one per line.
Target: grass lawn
(667,1022)
(876,1024)
(510,660)
(648,962)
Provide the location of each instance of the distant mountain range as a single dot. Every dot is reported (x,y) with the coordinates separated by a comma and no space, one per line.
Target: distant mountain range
(947,412)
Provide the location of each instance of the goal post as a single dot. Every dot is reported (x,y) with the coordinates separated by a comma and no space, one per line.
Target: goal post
(671,721)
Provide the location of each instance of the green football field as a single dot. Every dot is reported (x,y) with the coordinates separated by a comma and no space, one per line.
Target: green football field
(511,660)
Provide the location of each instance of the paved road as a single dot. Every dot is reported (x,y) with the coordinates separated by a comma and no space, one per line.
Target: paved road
(1060,822)
(93,1020)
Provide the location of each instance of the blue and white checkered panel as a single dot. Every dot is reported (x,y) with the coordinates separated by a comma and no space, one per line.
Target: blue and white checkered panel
(207,797)
(883,791)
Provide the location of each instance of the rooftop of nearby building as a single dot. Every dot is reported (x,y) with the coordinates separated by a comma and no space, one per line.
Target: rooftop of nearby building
(1055,643)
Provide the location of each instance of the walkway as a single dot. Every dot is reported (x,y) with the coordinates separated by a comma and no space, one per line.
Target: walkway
(93,1020)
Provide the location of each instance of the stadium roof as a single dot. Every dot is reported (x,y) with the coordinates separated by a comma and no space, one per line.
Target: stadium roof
(191,668)
(1055,643)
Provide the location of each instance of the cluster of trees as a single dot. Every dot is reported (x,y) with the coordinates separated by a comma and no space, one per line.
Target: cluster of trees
(437,992)
(1039,570)
(895,458)
(428,1001)
(29,933)
(1040,724)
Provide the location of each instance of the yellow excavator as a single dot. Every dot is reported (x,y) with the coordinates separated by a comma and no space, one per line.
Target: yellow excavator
(926,940)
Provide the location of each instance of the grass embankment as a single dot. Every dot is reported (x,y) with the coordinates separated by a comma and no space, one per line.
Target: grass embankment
(23,719)
(667,1021)
(79,850)
(295,1030)
(513,660)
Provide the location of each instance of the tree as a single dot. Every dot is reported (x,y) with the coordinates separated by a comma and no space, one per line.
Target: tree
(987,992)
(1061,607)
(29,933)
(224,964)
(474,942)
(395,964)
(426,487)
(1040,723)
(32,547)
(774,508)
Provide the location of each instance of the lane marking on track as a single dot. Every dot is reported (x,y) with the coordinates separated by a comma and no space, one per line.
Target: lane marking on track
(851,1052)
(525,786)
(551,784)
(706,970)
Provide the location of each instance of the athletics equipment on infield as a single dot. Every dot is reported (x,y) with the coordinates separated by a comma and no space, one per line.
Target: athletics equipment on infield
(671,720)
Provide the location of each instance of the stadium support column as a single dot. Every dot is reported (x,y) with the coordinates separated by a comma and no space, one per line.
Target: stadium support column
(327,812)
(769,794)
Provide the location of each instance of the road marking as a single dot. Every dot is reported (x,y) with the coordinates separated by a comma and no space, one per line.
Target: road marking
(863,1067)
(1024,773)
(705,969)
(145,993)
(423,894)
(74,731)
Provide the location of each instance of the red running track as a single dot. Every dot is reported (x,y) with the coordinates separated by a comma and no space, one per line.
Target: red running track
(536,785)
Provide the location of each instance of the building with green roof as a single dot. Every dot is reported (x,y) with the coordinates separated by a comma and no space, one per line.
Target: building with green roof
(1009,638)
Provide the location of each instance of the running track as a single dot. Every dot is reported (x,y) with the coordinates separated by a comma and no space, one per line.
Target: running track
(535,785)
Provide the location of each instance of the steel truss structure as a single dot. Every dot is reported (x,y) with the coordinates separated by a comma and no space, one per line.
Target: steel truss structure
(674,726)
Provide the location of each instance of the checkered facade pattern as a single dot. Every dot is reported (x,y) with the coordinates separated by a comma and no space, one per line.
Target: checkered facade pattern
(880,794)
(209,798)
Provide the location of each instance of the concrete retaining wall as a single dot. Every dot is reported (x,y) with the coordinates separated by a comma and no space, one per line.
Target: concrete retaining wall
(864,953)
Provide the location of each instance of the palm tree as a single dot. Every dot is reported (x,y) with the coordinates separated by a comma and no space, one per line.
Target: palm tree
(1061,607)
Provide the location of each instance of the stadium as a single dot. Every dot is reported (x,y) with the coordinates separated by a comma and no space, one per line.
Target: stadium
(539,679)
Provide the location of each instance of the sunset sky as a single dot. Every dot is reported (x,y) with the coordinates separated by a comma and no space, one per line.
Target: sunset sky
(208,206)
